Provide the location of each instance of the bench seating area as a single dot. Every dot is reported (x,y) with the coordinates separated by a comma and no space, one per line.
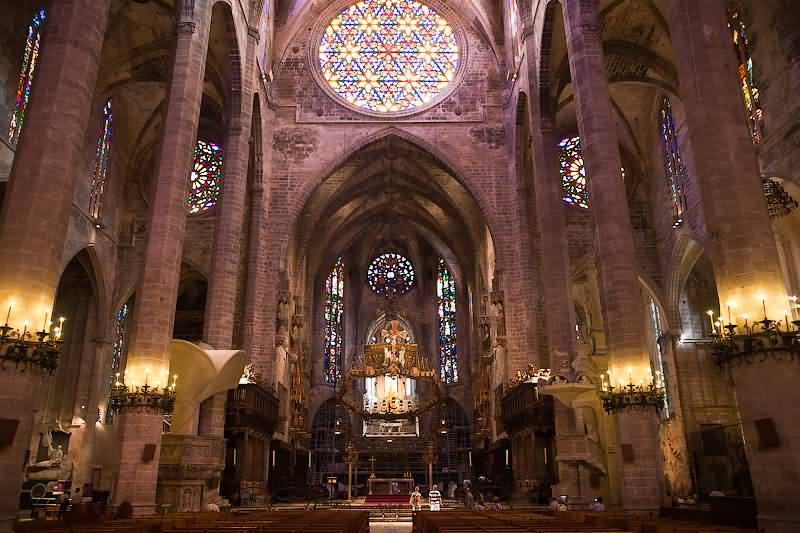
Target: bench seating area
(254,522)
(568,522)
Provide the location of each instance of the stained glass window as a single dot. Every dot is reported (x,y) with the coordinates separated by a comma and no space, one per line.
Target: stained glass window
(674,169)
(29,59)
(334,323)
(389,55)
(446,300)
(119,349)
(573,173)
(658,353)
(750,92)
(102,159)
(390,274)
(574,180)
(206,180)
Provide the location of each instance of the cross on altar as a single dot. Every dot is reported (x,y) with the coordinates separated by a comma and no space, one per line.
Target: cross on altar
(395,335)
(372,464)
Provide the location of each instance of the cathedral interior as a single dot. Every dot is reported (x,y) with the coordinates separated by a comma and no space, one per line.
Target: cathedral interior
(272,249)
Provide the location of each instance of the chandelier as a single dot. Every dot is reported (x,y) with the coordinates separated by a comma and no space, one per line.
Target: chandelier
(160,398)
(642,395)
(779,202)
(756,340)
(28,348)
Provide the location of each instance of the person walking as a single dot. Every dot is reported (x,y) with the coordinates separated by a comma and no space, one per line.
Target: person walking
(435,498)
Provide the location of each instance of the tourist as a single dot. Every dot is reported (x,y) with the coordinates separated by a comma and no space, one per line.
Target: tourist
(416,500)
(435,498)
(597,505)
(469,499)
(553,504)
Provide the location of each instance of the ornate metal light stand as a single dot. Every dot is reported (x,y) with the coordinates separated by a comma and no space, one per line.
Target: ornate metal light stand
(28,351)
(756,342)
(642,396)
(124,396)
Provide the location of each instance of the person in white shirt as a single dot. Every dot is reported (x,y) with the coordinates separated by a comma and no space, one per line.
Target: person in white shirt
(435,499)
(597,505)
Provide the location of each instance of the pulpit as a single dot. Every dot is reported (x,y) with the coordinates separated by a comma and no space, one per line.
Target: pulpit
(389,486)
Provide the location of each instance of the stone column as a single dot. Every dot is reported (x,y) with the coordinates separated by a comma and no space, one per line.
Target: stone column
(549,209)
(614,248)
(38,201)
(742,249)
(151,329)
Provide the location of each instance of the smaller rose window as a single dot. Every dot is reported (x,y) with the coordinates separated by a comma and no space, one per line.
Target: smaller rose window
(390,274)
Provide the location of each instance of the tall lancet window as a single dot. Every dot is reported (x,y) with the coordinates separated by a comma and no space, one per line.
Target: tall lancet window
(573,173)
(102,159)
(657,361)
(334,323)
(747,84)
(674,169)
(29,59)
(119,349)
(206,178)
(446,300)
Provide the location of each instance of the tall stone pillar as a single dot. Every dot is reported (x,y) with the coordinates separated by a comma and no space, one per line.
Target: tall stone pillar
(549,209)
(151,330)
(38,201)
(742,248)
(614,249)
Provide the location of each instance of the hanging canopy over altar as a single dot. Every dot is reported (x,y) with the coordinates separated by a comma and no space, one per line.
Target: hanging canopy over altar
(384,384)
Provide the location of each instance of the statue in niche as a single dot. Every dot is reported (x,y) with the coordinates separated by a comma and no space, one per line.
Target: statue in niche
(486,336)
(281,359)
(498,316)
(283,316)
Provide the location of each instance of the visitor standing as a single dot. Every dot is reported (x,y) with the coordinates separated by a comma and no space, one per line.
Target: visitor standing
(416,500)
(469,499)
(435,499)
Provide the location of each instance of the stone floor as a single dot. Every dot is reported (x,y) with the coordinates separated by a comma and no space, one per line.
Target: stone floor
(390,527)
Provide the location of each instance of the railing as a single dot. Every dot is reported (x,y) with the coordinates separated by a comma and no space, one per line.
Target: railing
(523,406)
(252,406)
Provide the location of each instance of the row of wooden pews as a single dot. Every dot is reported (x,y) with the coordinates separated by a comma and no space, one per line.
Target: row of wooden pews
(253,522)
(569,522)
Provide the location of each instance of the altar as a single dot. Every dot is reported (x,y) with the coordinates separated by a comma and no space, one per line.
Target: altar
(386,486)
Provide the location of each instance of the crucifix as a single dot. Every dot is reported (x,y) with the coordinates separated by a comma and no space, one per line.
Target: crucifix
(372,465)
(394,335)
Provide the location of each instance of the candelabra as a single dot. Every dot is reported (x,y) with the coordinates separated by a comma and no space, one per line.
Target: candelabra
(755,341)
(154,397)
(632,395)
(30,349)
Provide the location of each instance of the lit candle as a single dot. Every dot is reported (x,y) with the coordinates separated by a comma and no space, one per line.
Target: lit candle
(44,324)
(630,375)
(273,458)
(8,315)
(730,320)
(309,459)
(470,458)
(506,456)
(746,319)
(764,306)
(61,326)
(711,319)
(786,318)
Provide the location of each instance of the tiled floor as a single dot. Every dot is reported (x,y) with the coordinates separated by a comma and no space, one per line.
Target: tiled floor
(390,527)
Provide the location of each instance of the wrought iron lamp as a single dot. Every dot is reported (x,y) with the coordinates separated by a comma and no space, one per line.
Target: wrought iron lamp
(162,398)
(755,341)
(642,395)
(29,349)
